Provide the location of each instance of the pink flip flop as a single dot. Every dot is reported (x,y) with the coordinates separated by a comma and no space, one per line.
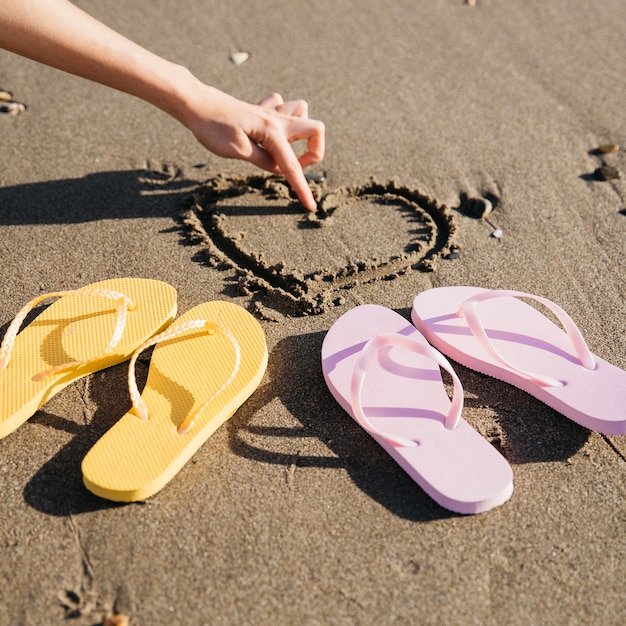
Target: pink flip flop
(497,334)
(387,377)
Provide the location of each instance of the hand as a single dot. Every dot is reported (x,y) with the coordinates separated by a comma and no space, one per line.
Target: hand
(260,134)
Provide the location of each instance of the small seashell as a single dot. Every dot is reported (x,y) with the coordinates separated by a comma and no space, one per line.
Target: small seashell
(497,233)
(239,57)
(608,148)
(471,3)
(476,207)
(606,172)
(5,96)
(12,108)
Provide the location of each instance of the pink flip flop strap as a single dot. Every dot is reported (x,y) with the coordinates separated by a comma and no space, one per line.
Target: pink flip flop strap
(139,407)
(407,343)
(123,304)
(468,310)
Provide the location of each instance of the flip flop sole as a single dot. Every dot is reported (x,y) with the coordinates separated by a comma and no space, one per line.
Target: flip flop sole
(404,396)
(135,459)
(77,328)
(525,337)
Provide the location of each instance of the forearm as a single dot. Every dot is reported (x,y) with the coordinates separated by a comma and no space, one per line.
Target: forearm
(59,34)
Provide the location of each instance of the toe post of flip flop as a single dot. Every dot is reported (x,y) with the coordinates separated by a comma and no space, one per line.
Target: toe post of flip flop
(202,370)
(497,333)
(83,331)
(387,377)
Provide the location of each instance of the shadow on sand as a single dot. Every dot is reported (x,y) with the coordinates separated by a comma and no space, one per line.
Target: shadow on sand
(101,196)
(57,488)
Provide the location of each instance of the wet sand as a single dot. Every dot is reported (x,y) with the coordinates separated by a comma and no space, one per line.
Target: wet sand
(291,513)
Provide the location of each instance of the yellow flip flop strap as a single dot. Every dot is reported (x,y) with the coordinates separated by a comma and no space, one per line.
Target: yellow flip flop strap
(139,407)
(123,304)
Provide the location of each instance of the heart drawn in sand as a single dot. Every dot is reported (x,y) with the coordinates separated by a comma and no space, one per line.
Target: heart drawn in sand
(305,261)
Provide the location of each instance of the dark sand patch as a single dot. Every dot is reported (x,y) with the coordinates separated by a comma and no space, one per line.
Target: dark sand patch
(303,262)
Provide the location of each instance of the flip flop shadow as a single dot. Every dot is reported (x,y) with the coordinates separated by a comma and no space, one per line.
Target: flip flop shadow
(303,392)
(57,488)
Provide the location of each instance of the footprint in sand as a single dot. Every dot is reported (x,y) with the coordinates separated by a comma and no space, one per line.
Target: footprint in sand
(304,262)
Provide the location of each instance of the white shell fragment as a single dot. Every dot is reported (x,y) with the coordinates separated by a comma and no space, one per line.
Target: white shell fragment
(315,176)
(239,57)
(497,233)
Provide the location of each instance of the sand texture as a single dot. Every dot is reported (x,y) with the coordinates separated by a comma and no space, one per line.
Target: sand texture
(290,513)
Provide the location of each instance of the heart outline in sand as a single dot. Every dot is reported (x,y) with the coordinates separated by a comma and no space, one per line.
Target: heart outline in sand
(315,292)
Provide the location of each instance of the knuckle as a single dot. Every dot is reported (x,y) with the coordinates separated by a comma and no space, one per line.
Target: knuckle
(302,106)
(271,126)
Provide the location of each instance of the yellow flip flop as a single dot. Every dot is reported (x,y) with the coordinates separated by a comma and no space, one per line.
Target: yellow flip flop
(202,369)
(84,331)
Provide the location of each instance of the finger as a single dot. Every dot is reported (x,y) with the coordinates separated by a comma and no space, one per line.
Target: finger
(316,146)
(272,101)
(294,108)
(295,177)
(287,162)
(314,132)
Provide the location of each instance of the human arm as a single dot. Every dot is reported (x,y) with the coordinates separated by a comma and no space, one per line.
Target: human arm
(59,34)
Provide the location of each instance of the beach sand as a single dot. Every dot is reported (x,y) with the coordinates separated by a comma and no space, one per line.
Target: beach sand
(290,513)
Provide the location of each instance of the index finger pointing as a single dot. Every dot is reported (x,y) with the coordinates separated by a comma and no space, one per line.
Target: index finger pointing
(288,163)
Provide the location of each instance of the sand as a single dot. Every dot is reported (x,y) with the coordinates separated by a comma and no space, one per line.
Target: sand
(290,513)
